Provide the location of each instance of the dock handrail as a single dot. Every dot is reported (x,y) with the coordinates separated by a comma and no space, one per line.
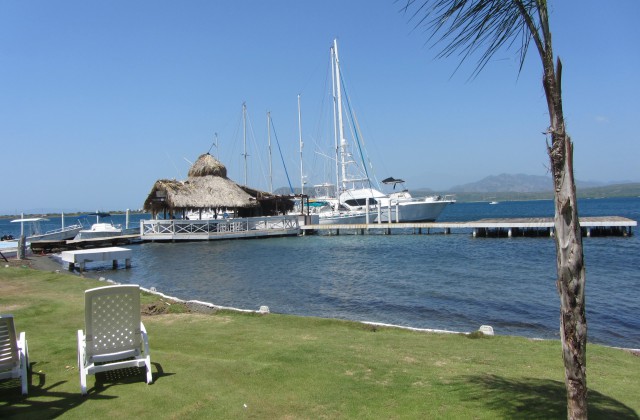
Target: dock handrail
(157,228)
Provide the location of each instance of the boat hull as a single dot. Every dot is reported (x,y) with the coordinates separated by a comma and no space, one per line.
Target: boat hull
(58,235)
(416,211)
(343,219)
(87,234)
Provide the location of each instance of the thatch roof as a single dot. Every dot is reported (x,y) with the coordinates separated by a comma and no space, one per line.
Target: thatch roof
(208,187)
(207,165)
(198,192)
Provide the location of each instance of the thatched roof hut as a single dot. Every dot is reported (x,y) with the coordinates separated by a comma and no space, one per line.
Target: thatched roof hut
(207,165)
(208,188)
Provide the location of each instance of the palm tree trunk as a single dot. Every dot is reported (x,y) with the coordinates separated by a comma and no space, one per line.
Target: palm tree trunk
(569,252)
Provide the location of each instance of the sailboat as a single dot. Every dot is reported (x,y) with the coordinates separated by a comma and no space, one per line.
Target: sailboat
(337,212)
(357,196)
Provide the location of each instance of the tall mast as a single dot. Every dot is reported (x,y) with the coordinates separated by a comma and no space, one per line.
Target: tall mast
(338,92)
(270,163)
(301,146)
(335,119)
(244,136)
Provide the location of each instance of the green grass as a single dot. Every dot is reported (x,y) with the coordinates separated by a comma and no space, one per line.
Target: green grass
(234,365)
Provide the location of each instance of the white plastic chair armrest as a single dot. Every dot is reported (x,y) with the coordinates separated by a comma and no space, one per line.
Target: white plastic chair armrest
(145,339)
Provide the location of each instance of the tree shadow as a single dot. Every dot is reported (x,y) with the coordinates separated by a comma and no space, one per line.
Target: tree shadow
(535,398)
(46,401)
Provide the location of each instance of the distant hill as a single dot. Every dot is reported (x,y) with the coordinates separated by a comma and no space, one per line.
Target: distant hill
(505,187)
(518,183)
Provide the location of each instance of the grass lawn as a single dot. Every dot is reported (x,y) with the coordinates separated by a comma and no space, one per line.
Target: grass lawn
(238,365)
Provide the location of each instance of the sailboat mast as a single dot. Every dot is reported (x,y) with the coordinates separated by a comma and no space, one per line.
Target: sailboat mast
(270,162)
(244,136)
(301,146)
(335,120)
(343,141)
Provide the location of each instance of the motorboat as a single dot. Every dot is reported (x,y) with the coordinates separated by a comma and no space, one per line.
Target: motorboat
(341,215)
(36,234)
(100,229)
(398,207)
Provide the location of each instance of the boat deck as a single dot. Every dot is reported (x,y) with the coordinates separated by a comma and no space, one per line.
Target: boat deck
(543,226)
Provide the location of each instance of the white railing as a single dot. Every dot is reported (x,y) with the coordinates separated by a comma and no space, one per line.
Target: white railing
(218,227)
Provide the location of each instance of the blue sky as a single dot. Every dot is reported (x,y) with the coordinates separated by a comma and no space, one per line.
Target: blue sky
(99,99)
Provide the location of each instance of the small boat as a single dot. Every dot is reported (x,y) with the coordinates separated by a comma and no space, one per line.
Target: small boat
(36,235)
(99,229)
(493,202)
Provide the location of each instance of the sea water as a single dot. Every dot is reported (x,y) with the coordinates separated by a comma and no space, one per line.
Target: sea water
(451,282)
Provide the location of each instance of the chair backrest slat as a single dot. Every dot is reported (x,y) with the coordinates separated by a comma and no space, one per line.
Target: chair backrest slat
(112,319)
(9,357)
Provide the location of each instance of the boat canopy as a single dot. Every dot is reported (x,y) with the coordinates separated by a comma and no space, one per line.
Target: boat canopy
(98,214)
(392,180)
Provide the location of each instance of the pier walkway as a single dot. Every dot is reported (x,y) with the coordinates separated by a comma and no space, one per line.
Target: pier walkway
(194,230)
(591,226)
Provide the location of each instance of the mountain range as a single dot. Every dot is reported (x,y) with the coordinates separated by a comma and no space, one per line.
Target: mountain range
(531,187)
(516,183)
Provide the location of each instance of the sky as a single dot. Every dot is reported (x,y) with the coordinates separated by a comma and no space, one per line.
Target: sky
(99,99)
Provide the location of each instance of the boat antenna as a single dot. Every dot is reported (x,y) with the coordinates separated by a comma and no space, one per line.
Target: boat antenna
(215,143)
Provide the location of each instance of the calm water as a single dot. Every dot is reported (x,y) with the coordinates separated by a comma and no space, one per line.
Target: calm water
(452,282)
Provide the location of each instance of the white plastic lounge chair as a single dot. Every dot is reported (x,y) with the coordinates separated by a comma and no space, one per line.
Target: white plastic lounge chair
(14,354)
(115,337)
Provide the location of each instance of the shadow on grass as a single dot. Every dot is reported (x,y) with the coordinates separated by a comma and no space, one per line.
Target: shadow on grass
(45,402)
(105,380)
(535,398)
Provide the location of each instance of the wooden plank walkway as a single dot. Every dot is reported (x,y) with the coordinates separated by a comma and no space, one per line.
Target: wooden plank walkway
(596,226)
(70,244)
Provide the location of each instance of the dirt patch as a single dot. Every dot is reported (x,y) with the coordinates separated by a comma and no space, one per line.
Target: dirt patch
(162,307)
(36,262)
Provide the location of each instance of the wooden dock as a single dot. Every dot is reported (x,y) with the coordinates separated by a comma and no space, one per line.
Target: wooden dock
(84,256)
(216,229)
(71,244)
(591,226)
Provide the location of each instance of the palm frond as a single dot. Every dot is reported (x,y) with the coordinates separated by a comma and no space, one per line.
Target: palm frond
(471,27)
